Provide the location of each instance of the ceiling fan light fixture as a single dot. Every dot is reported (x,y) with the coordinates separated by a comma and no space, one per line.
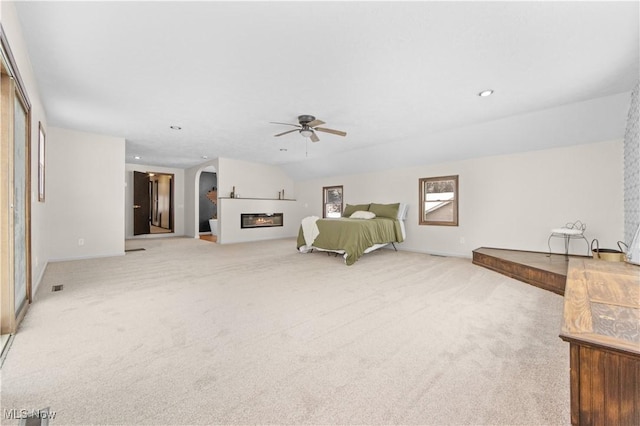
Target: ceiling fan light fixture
(307,127)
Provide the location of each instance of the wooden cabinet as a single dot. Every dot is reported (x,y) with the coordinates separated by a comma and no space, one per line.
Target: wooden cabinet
(602,325)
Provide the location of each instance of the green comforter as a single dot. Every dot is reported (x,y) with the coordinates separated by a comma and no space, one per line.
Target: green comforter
(354,236)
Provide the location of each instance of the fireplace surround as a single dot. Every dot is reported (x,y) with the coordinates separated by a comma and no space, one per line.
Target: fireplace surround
(261,220)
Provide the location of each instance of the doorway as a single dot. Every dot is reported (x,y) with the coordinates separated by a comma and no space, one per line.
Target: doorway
(153,203)
(208,207)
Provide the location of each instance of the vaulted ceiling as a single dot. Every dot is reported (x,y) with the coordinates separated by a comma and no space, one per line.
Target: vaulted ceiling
(401,78)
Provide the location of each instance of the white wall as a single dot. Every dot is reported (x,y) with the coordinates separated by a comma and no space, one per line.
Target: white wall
(510,201)
(178,202)
(632,168)
(252,180)
(262,183)
(39,210)
(85,195)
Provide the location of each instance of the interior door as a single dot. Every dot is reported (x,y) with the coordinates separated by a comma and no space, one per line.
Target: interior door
(141,204)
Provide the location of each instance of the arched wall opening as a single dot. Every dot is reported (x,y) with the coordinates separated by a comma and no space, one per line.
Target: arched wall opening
(201,205)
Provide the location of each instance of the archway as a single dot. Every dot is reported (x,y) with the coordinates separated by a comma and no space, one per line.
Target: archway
(203,208)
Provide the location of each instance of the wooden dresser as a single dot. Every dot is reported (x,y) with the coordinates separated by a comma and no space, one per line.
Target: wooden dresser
(602,325)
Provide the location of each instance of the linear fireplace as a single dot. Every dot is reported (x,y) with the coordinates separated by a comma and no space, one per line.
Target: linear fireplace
(260,220)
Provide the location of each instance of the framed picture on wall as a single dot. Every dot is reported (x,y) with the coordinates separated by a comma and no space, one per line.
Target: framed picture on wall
(41,161)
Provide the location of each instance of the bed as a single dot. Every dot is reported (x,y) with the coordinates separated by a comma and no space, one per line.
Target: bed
(362,229)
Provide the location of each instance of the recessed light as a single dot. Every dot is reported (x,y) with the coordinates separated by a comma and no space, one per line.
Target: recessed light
(485,93)
(204,157)
(283,149)
(175,127)
(136,157)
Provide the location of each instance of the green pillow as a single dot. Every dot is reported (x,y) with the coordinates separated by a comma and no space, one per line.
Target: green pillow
(351,208)
(385,210)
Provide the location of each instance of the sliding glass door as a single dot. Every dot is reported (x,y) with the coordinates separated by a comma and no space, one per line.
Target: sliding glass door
(15,207)
(20,194)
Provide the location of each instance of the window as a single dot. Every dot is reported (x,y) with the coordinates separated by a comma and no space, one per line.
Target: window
(439,201)
(332,201)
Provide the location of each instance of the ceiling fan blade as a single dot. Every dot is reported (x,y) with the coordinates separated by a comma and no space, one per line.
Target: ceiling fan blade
(335,132)
(315,123)
(288,131)
(285,124)
(314,137)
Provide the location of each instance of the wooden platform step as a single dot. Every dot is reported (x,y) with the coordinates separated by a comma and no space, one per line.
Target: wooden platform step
(536,268)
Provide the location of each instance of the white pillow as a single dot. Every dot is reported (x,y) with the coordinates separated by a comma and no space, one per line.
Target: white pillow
(361,214)
(402,211)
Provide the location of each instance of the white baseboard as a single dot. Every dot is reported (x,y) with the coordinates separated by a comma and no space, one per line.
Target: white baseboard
(64,259)
(145,236)
(437,253)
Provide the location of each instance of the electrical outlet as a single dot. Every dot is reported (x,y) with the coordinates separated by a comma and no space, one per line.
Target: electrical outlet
(80,241)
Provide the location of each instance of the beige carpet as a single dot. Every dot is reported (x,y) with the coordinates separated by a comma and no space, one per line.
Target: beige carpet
(189,332)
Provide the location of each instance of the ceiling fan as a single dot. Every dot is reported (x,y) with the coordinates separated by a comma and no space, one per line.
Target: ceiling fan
(308,127)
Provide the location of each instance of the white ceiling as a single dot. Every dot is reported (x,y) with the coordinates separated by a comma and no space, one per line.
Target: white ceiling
(393,75)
